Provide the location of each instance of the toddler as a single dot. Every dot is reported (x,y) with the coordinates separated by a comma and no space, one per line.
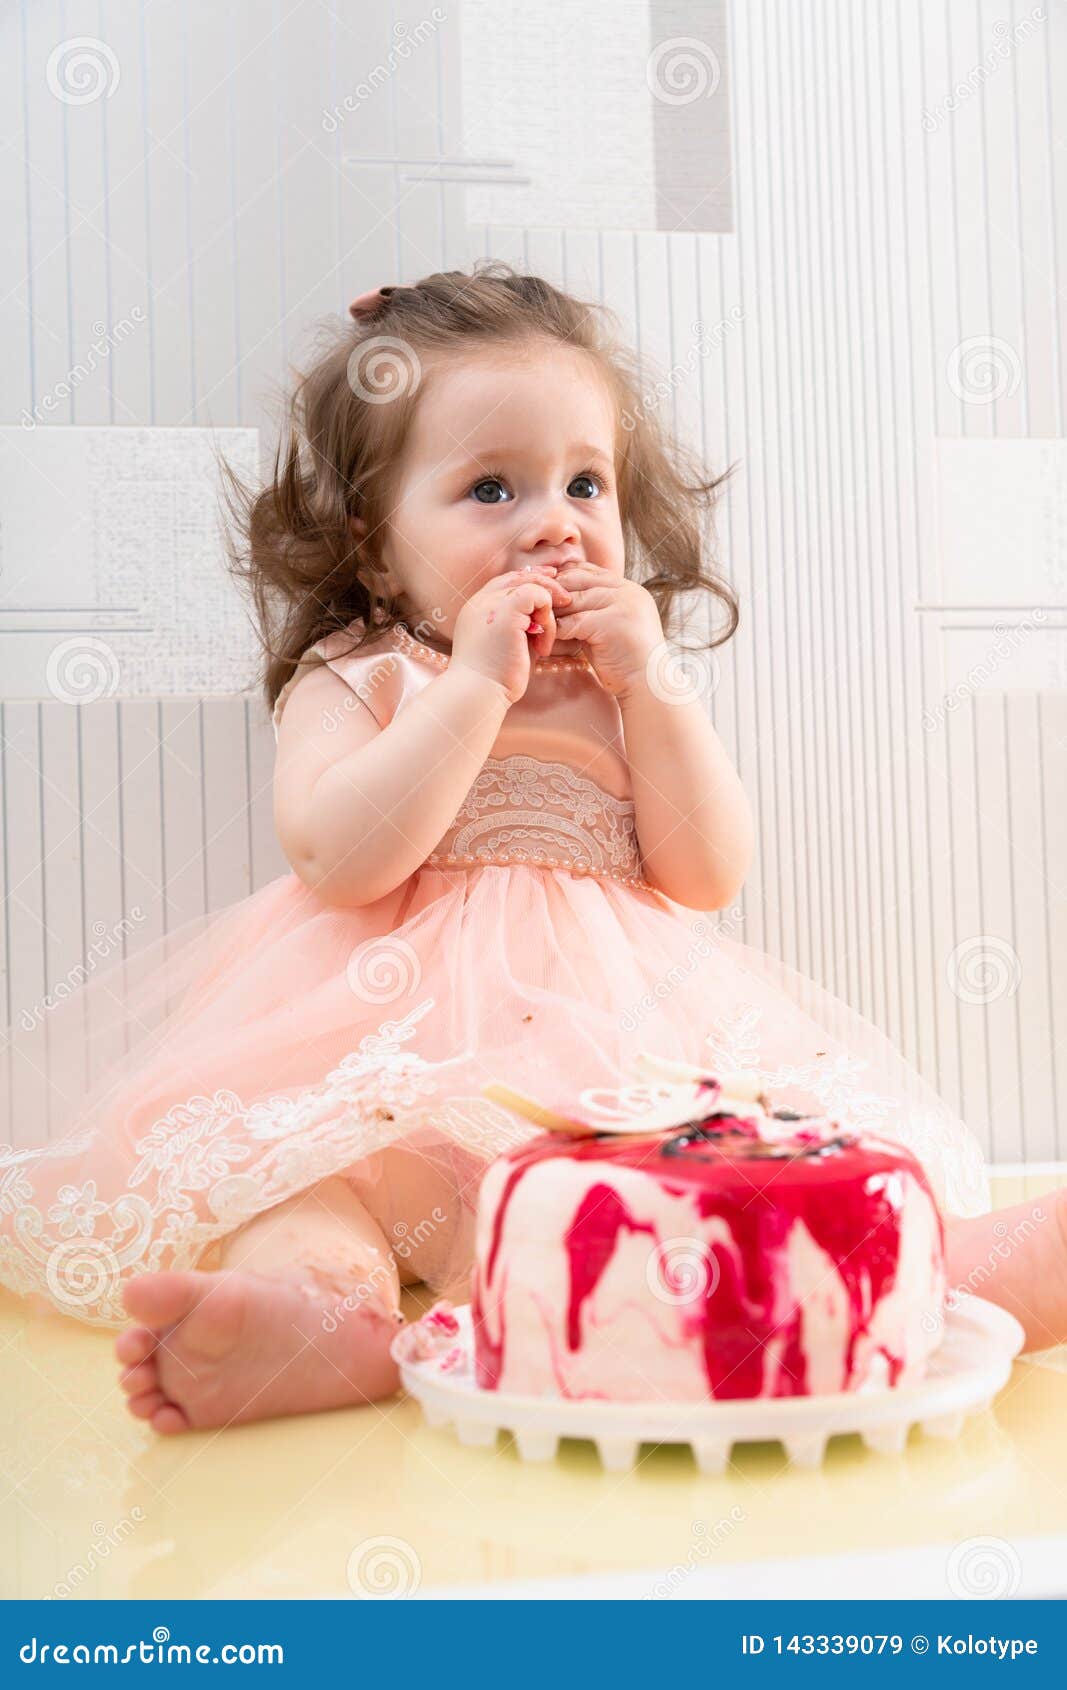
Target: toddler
(509,823)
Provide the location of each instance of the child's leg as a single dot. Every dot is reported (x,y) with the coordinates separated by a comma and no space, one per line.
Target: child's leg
(297,1317)
(424,1203)
(1017,1257)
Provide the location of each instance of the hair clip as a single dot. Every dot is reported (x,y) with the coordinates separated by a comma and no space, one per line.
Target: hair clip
(367,303)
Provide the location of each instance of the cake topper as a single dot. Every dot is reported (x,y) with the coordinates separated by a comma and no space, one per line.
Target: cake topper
(673,1093)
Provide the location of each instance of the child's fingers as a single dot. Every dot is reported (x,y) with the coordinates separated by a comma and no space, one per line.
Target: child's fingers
(590,589)
(539,609)
(573,625)
(580,579)
(547,583)
(542,630)
(543,592)
(590,571)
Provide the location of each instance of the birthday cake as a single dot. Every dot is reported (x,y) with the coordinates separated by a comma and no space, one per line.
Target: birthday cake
(711,1248)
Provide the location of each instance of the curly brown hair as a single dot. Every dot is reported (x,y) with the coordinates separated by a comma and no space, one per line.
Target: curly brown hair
(340,454)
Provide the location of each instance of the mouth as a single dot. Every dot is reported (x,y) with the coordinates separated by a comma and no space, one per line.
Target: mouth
(559,562)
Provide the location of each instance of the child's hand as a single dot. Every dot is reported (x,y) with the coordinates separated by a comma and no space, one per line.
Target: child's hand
(493,633)
(616,620)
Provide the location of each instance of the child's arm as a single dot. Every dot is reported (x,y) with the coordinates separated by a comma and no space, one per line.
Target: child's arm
(357,807)
(694,822)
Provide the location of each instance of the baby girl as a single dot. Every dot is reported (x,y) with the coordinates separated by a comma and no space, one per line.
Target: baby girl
(507,815)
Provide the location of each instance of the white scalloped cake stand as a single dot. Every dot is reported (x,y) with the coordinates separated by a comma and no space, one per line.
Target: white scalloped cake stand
(970,1365)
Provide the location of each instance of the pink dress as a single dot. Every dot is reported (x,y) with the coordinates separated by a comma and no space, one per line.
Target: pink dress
(281,1040)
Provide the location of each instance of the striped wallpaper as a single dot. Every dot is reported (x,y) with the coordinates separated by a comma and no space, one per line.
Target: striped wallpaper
(885,293)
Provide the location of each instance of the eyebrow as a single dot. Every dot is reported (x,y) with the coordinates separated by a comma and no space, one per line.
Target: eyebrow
(501,454)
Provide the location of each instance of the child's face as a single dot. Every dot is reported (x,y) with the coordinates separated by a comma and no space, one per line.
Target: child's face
(511,460)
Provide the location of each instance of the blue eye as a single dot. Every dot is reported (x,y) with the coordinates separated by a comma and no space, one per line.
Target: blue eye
(498,481)
(487,481)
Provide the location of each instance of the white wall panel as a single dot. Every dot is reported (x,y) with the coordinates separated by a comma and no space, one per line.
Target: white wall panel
(885,360)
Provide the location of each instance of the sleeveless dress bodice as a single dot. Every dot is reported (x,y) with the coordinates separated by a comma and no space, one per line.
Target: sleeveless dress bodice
(554,791)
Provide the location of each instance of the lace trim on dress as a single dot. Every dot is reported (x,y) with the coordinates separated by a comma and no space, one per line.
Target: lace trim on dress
(523,809)
(80,1253)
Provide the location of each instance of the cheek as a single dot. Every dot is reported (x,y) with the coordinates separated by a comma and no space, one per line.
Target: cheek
(477,540)
(462,550)
(438,535)
(607,547)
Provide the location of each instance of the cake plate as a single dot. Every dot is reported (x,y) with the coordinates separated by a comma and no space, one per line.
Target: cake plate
(970,1365)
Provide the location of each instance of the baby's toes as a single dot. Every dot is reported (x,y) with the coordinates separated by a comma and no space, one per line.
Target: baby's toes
(135,1381)
(135,1345)
(164,1415)
(143,1407)
(168,1417)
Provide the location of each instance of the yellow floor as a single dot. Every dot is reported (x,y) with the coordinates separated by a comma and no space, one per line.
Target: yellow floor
(94,1505)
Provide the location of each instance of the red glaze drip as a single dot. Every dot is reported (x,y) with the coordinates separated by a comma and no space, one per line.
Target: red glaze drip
(501,1209)
(844,1197)
(488,1352)
(590,1241)
(859,1229)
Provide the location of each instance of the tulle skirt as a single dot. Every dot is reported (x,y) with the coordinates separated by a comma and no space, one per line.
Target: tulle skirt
(254,1052)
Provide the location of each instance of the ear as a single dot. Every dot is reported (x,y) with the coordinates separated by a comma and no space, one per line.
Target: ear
(357,527)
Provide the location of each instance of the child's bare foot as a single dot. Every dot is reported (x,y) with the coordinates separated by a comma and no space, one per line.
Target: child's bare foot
(219,1348)
(1017,1257)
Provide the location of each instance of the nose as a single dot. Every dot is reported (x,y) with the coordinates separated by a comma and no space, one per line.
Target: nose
(556,526)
